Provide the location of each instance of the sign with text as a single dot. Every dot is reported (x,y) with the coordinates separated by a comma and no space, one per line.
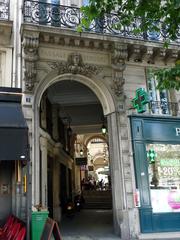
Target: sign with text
(81,161)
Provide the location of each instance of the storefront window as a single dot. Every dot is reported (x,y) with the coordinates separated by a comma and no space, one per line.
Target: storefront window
(164,177)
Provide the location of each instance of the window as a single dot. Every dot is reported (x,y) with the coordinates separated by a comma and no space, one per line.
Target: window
(158,99)
(55,13)
(164,177)
(49,12)
(85,2)
(55,1)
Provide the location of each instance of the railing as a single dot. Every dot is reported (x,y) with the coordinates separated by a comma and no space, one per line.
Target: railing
(4,10)
(164,108)
(42,13)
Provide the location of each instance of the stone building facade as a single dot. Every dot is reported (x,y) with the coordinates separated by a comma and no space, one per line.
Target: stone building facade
(47,51)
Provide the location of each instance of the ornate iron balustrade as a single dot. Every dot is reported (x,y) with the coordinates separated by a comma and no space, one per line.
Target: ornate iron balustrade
(4,10)
(164,108)
(38,12)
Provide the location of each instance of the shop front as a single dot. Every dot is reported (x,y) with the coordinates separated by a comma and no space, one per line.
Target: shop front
(14,156)
(156,146)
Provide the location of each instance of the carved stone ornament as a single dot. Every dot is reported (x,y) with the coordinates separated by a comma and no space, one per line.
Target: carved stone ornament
(117,85)
(75,65)
(30,55)
(120,52)
(118,66)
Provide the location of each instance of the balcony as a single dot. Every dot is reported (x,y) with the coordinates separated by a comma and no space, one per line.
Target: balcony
(66,17)
(164,108)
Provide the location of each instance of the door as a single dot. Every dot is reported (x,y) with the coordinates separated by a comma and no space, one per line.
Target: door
(69,184)
(63,186)
(164,185)
(6,169)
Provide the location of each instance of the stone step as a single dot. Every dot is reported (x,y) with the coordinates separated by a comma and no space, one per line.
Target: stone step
(96,193)
(97,199)
(97,205)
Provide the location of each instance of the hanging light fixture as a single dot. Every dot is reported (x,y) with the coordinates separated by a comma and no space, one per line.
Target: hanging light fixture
(81,152)
(103,129)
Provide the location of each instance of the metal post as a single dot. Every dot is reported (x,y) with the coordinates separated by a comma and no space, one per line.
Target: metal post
(28,196)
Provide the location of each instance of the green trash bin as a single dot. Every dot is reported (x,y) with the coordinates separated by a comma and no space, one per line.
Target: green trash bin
(38,220)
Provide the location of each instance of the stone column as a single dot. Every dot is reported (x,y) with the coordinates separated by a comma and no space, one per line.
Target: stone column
(43,148)
(120,210)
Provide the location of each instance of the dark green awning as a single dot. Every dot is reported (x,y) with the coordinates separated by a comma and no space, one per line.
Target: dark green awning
(13,130)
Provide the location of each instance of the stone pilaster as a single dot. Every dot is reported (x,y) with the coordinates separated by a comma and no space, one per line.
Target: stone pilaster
(119,57)
(30,56)
(120,206)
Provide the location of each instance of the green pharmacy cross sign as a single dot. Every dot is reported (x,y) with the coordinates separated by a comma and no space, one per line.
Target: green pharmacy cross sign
(151,154)
(140,100)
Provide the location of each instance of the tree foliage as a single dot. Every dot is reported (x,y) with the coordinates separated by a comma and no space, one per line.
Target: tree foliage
(168,78)
(153,12)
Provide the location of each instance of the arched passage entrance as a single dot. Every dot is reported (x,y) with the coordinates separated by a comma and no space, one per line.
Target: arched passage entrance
(40,146)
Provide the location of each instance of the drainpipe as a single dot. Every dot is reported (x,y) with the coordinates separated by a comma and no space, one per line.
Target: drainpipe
(17,20)
(15,27)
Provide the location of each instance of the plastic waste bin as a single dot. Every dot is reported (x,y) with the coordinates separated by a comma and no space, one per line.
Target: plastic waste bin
(38,220)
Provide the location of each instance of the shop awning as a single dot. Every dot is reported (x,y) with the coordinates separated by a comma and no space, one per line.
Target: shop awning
(13,129)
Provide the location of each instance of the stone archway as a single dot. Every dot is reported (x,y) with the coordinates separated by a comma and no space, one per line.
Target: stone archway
(108,105)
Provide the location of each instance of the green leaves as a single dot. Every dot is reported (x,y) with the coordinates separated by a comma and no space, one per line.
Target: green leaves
(152,11)
(158,15)
(168,78)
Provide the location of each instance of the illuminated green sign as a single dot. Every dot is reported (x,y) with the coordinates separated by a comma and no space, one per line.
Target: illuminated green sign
(140,100)
(151,154)
(170,162)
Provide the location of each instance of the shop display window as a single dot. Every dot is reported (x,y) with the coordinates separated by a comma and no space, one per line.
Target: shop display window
(164,177)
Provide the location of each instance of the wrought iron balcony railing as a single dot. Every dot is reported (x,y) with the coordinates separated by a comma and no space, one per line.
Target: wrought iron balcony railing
(163,108)
(42,13)
(4,10)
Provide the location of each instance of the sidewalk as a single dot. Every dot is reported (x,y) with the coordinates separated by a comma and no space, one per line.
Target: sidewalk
(89,225)
(98,225)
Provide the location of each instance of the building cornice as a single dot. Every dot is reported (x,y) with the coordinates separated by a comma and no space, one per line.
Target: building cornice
(137,50)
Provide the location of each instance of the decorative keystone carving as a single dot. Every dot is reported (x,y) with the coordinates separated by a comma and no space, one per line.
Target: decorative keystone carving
(75,65)
(119,57)
(30,55)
